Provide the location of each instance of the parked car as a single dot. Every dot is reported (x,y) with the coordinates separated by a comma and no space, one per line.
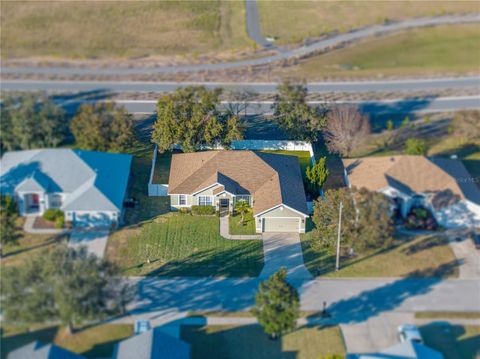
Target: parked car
(409,332)
(476,239)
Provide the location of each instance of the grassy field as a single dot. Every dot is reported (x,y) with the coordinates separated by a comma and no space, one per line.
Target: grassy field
(248,342)
(248,226)
(453,341)
(104,29)
(421,256)
(447,315)
(183,245)
(94,342)
(286,20)
(442,49)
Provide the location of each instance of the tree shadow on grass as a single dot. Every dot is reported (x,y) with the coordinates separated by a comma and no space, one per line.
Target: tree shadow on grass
(248,341)
(426,243)
(446,338)
(242,261)
(56,239)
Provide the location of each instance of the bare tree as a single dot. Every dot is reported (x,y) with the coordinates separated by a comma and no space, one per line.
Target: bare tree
(239,100)
(346,129)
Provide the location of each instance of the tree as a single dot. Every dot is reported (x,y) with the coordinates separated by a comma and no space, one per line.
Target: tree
(8,220)
(415,146)
(31,121)
(294,116)
(239,100)
(189,118)
(103,127)
(405,122)
(65,284)
(317,174)
(242,207)
(346,129)
(277,305)
(366,221)
(390,125)
(467,125)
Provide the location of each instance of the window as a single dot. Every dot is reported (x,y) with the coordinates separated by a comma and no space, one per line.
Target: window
(204,200)
(56,200)
(245,198)
(182,200)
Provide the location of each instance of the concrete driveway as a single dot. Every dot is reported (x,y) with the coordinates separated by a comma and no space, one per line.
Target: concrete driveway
(284,250)
(467,255)
(94,240)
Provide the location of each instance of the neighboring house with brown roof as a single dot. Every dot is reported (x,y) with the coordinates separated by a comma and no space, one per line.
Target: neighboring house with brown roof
(271,183)
(440,184)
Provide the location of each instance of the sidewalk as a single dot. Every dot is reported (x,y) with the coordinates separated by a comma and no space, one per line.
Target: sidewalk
(225,232)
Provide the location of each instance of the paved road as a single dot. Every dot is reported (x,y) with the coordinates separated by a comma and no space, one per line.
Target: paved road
(349,301)
(104,87)
(400,106)
(253,24)
(321,45)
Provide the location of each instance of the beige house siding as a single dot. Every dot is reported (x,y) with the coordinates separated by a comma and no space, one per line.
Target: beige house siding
(280,213)
(174,201)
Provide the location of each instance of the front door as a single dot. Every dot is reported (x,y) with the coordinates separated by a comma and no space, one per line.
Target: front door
(224,205)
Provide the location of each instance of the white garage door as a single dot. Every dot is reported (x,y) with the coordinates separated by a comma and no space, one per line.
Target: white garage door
(92,219)
(281,224)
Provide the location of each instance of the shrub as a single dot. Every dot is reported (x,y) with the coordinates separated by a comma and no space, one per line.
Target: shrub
(52,214)
(60,221)
(203,210)
(184,210)
(415,146)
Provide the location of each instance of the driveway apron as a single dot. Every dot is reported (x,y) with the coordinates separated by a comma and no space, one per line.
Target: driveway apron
(284,250)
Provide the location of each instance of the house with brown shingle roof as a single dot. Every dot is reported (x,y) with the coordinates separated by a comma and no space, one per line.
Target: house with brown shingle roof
(271,183)
(440,184)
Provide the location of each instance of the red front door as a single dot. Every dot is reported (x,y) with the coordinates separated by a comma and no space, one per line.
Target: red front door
(35,201)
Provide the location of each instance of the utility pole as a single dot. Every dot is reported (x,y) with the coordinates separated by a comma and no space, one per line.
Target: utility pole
(337,264)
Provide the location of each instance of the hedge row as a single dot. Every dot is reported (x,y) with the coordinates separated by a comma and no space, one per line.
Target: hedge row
(203,210)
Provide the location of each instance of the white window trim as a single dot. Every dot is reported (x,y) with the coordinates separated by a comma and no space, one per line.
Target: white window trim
(211,200)
(186,200)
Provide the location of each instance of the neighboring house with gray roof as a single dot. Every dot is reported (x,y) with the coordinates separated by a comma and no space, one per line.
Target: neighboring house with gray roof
(39,350)
(405,350)
(88,186)
(443,185)
(271,183)
(153,344)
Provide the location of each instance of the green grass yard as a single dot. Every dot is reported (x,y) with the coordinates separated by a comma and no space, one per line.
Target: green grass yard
(183,245)
(285,20)
(442,49)
(247,227)
(421,256)
(161,171)
(94,342)
(250,342)
(132,29)
(453,341)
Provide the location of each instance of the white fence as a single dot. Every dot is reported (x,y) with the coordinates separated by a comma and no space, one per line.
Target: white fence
(162,189)
(154,189)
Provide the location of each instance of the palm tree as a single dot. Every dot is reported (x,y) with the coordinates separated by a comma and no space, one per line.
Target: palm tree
(242,207)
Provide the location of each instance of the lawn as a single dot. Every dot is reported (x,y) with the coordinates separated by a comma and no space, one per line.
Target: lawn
(28,245)
(421,256)
(453,341)
(247,227)
(183,245)
(161,171)
(249,342)
(93,342)
(129,29)
(442,49)
(285,20)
